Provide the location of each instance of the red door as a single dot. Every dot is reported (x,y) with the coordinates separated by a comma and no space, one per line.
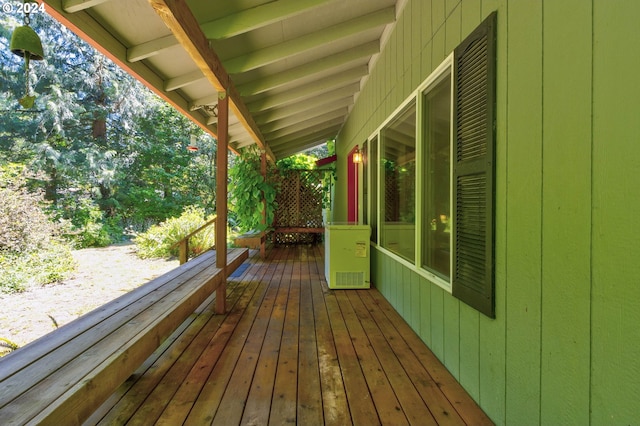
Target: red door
(352,187)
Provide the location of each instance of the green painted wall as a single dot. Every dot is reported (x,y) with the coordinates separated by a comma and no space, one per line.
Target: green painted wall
(565,346)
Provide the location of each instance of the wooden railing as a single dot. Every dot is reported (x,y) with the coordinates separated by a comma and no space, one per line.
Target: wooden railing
(63,377)
(184,243)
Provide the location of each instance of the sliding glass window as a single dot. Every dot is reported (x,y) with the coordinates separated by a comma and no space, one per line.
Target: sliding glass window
(398,192)
(371,191)
(436,239)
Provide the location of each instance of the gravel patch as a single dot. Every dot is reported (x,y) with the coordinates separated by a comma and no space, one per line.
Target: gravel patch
(102,275)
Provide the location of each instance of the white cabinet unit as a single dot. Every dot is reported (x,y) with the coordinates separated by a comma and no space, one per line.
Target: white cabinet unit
(347,255)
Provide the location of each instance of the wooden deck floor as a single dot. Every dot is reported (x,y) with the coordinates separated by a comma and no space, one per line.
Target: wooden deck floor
(292,351)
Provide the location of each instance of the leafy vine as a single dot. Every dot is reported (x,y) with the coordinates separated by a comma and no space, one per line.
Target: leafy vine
(248,189)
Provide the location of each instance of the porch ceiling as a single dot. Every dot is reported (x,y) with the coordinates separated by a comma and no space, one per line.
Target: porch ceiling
(293,68)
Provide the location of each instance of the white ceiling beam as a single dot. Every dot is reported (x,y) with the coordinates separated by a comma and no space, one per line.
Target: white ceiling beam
(297,145)
(257,17)
(308,90)
(310,69)
(235,127)
(272,131)
(306,115)
(304,43)
(339,96)
(324,128)
(302,147)
(183,80)
(150,48)
(72,6)
(178,17)
(244,144)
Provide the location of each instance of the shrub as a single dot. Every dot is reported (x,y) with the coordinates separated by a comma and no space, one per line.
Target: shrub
(90,228)
(24,227)
(159,239)
(31,252)
(143,204)
(20,271)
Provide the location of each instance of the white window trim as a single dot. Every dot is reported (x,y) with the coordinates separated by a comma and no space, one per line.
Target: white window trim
(417,97)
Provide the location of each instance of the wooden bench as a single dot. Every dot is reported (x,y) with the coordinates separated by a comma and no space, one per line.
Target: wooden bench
(61,378)
(253,240)
(296,230)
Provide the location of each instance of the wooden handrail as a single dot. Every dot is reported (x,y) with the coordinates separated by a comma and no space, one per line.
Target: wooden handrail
(184,242)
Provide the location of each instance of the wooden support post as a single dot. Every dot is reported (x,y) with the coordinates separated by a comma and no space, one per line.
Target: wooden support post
(184,251)
(263,170)
(221,198)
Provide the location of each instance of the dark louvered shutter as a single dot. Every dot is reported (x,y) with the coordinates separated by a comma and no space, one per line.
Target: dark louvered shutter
(474,127)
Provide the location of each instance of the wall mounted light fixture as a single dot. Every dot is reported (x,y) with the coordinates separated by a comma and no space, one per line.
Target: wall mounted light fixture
(357,156)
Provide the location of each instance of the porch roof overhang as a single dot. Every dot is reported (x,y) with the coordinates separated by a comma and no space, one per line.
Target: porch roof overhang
(292,68)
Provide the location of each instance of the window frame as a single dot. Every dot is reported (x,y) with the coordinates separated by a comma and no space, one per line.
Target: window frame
(443,73)
(417,96)
(473,285)
(383,225)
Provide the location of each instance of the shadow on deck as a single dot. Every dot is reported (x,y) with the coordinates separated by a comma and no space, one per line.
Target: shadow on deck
(290,350)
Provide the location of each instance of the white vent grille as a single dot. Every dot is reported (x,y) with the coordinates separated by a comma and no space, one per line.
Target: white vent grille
(350,279)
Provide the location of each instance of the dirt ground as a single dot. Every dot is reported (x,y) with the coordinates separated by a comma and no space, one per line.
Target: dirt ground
(102,275)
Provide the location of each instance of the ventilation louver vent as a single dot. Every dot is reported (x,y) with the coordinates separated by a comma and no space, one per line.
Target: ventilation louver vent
(350,280)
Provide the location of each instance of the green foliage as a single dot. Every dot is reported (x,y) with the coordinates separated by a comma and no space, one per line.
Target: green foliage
(21,271)
(7,346)
(247,190)
(97,137)
(90,227)
(160,239)
(146,205)
(297,162)
(31,251)
(6,343)
(24,227)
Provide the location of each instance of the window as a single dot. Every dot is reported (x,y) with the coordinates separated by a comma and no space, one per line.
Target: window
(436,249)
(456,149)
(365,183)
(398,163)
(370,171)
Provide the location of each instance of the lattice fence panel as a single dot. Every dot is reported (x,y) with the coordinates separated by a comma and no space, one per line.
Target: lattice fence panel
(391,198)
(299,201)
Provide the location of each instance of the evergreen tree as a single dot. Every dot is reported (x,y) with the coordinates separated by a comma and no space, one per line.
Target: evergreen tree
(96,136)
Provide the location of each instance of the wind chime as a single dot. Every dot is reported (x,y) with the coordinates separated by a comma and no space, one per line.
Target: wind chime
(26,43)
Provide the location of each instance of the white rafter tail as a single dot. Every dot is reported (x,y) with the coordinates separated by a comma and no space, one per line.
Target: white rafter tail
(73,6)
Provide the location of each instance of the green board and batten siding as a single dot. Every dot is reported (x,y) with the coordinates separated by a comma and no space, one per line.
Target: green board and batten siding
(615,274)
(564,347)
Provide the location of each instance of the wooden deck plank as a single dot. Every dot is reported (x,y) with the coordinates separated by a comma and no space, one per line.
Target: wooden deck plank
(334,398)
(215,384)
(118,410)
(293,351)
(257,407)
(410,400)
(384,398)
(309,395)
(440,407)
(283,404)
(156,385)
(235,395)
(106,314)
(192,386)
(130,342)
(141,386)
(470,412)
(363,410)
